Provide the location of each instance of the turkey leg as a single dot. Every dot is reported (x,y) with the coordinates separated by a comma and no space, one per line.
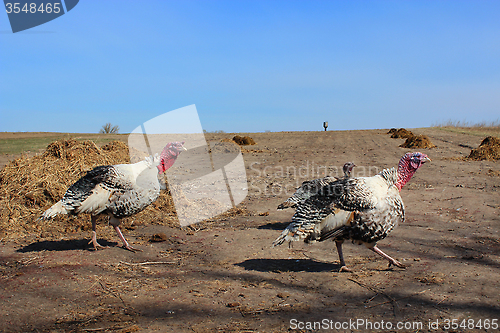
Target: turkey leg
(97,246)
(115,223)
(343,267)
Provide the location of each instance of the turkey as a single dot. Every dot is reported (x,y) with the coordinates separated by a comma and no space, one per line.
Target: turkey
(118,190)
(311,187)
(364,210)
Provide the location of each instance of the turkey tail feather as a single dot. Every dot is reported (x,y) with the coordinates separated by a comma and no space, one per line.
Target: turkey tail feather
(281,239)
(293,232)
(287,204)
(56,209)
(333,233)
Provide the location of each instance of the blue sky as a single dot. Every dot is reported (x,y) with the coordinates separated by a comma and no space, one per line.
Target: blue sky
(252,66)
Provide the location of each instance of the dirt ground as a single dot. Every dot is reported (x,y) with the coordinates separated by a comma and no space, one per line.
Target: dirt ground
(223,276)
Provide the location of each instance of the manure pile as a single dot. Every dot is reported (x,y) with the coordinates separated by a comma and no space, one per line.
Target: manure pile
(401,133)
(489,149)
(243,140)
(412,140)
(30,185)
(418,141)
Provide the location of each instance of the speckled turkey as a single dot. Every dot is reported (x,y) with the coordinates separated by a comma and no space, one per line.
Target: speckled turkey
(364,209)
(118,190)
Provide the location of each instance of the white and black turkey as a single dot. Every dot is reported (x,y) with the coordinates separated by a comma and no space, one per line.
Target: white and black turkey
(364,209)
(312,187)
(117,190)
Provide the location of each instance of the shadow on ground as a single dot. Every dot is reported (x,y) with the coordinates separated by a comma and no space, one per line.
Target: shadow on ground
(274,226)
(63,245)
(287,265)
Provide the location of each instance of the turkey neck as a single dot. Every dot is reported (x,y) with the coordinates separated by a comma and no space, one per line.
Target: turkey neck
(166,161)
(405,172)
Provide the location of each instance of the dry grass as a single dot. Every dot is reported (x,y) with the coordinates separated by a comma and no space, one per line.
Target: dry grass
(458,123)
(491,128)
(21,142)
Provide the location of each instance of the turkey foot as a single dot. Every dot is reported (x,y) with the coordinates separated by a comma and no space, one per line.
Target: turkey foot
(396,263)
(392,261)
(344,268)
(131,249)
(94,242)
(126,245)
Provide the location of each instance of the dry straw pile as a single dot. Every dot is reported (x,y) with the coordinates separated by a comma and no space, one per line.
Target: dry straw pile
(489,149)
(243,140)
(418,141)
(29,185)
(401,133)
(412,140)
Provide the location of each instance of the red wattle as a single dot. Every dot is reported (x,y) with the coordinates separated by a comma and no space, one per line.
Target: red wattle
(166,164)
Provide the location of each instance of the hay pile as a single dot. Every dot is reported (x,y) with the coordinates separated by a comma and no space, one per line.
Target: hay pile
(30,185)
(412,140)
(401,133)
(418,141)
(243,140)
(489,149)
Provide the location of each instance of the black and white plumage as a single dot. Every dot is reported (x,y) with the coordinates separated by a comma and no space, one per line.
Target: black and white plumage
(364,209)
(310,188)
(118,190)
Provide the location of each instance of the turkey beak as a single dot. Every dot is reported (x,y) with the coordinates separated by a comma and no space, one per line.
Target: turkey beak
(184,148)
(426,159)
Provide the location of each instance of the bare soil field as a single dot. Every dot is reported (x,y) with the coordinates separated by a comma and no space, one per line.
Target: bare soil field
(223,276)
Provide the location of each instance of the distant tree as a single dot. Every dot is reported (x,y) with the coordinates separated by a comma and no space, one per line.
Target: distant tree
(216,132)
(109,129)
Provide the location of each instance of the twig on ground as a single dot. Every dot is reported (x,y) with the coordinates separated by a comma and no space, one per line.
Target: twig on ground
(115,328)
(378,291)
(420,292)
(148,263)
(112,293)
(451,198)
(371,298)
(375,290)
(441,301)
